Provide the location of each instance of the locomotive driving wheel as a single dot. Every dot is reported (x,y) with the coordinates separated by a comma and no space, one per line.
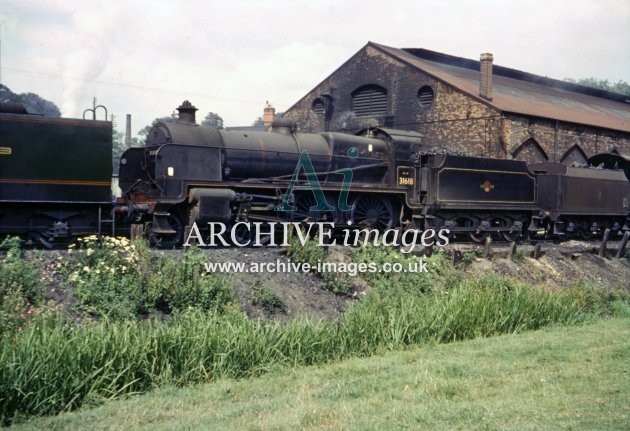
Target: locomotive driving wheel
(514,226)
(586,231)
(481,230)
(171,239)
(303,204)
(373,212)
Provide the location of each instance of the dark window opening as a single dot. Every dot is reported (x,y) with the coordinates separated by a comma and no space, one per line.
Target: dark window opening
(369,100)
(318,106)
(426,95)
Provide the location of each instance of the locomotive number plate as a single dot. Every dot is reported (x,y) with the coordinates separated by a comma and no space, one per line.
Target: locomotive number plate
(406,176)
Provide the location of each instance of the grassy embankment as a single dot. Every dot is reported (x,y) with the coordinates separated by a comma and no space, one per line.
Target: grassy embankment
(574,377)
(49,364)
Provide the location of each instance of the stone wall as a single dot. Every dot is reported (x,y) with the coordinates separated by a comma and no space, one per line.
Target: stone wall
(534,139)
(453,119)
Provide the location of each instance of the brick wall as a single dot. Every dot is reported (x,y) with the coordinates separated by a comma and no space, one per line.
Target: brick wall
(454,119)
(558,141)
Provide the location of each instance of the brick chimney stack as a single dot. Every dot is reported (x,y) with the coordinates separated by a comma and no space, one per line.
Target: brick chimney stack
(128,132)
(268,115)
(485,76)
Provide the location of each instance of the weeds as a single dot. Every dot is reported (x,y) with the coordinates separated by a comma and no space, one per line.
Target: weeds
(337,282)
(120,280)
(52,366)
(183,284)
(267,299)
(20,290)
(309,252)
(439,270)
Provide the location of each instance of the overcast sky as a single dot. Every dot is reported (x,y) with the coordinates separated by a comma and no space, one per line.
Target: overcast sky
(144,57)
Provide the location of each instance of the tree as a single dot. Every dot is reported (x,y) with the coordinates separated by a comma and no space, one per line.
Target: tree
(213,120)
(118,143)
(621,87)
(31,101)
(142,134)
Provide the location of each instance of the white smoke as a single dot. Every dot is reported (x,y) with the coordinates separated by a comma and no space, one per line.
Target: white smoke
(87,55)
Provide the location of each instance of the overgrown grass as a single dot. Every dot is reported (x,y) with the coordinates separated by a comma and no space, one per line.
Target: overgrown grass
(53,366)
(20,289)
(556,378)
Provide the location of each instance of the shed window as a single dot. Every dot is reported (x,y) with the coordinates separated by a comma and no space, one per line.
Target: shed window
(426,95)
(318,106)
(369,100)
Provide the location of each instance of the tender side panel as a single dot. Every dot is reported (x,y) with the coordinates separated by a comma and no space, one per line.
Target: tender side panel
(592,196)
(55,160)
(466,180)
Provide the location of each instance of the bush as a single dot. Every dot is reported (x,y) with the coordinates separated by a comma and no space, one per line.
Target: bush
(121,280)
(439,270)
(105,274)
(18,273)
(309,252)
(20,289)
(181,284)
(267,299)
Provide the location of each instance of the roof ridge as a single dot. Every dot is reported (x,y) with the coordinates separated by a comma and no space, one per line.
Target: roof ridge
(520,75)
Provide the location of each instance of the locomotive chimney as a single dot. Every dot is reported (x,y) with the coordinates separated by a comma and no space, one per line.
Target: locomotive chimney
(187,112)
(485,76)
(128,132)
(268,116)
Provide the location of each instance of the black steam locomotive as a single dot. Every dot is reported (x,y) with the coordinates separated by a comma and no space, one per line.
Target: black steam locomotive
(55,183)
(189,173)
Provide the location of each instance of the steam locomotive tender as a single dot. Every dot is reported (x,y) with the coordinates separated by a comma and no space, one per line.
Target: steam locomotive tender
(55,176)
(190,173)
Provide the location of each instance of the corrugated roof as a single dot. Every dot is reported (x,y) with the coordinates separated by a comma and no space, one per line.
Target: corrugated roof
(523,93)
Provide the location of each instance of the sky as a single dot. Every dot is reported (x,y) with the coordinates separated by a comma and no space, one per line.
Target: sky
(144,57)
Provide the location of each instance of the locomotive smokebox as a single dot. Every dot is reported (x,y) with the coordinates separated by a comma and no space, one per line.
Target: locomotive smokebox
(187,113)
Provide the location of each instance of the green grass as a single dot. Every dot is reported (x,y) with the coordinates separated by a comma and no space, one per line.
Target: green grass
(52,365)
(556,378)
(20,288)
